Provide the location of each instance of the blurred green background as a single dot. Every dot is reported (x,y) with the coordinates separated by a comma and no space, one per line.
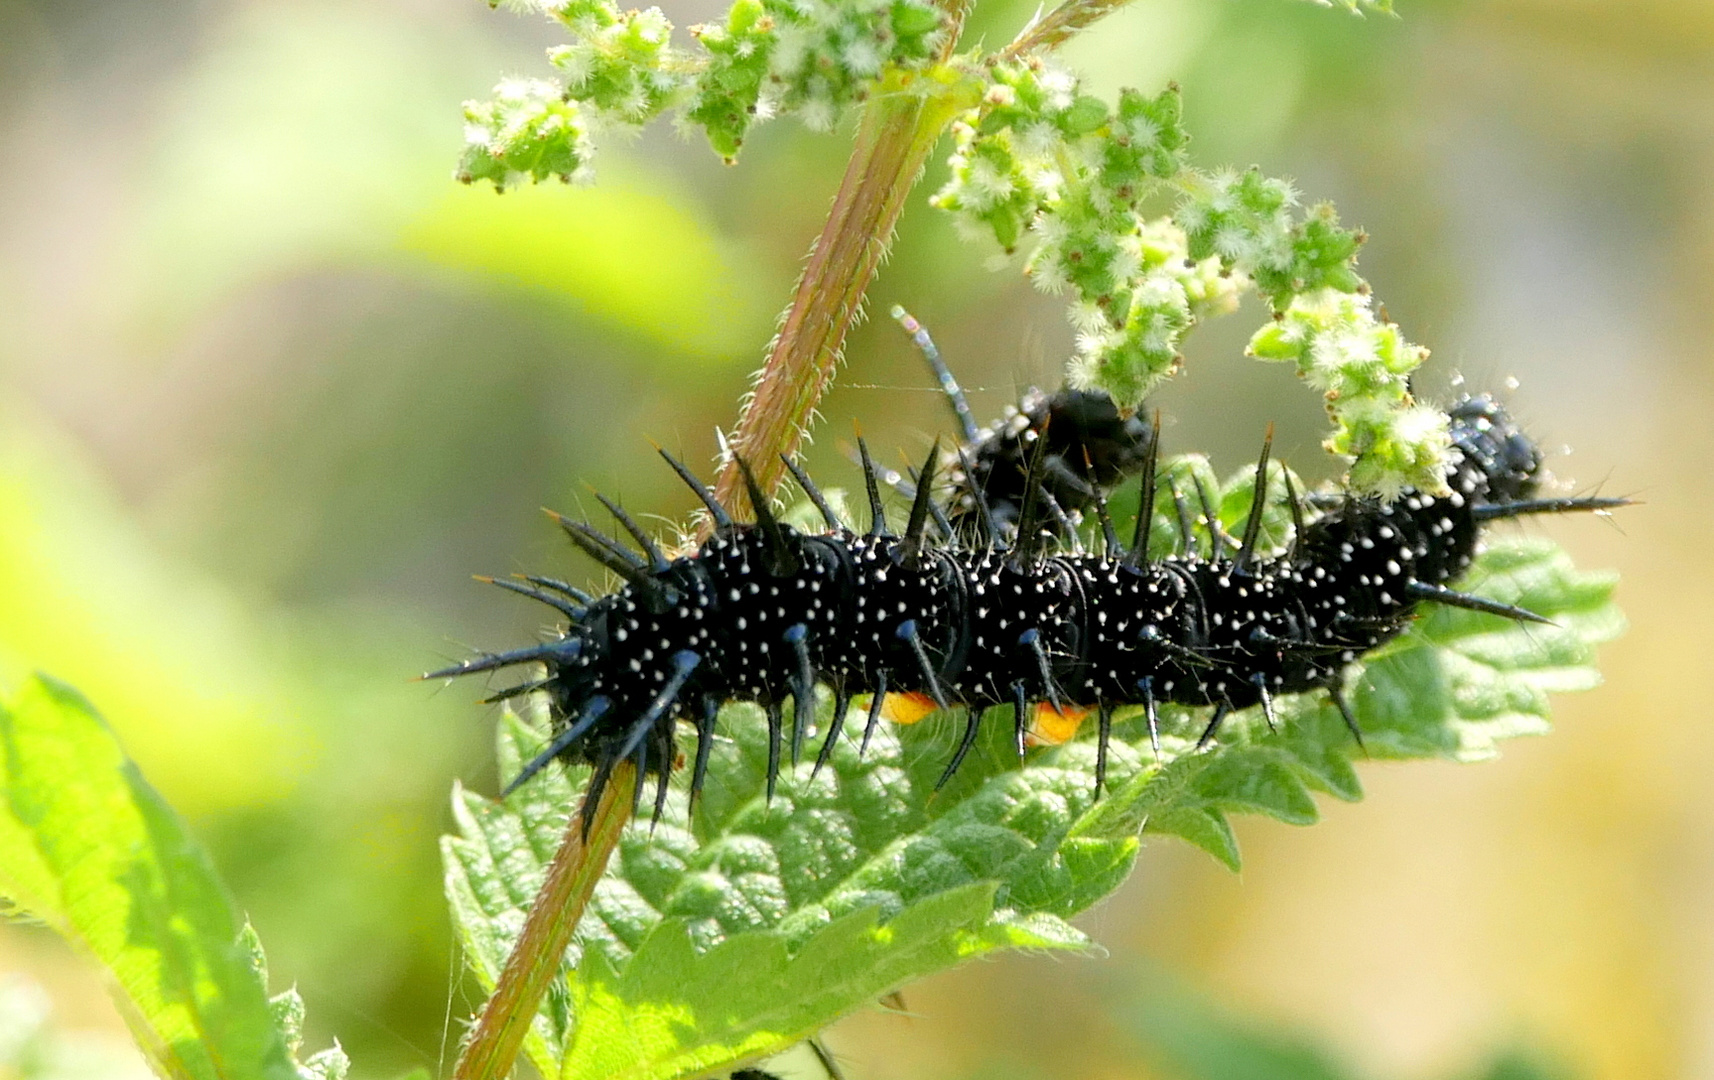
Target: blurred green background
(272,387)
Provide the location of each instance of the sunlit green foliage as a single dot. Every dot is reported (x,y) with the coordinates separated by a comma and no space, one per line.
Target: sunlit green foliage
(34,1047)
(88,847)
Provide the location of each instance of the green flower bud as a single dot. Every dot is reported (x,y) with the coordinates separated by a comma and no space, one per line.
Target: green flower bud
(1362,365)
(728,93)
(527,130)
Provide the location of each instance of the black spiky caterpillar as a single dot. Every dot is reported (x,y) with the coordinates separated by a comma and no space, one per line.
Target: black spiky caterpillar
(1085,444)
(1086,447)
(762,612)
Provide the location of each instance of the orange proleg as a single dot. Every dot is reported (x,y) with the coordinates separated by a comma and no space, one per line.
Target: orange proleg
(907,708)
(1052,726)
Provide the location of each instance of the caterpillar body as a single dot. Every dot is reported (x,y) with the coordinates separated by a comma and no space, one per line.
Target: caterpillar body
(766,613)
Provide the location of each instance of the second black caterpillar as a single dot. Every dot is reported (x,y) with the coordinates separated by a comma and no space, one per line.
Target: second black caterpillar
(1085,444)
(762,612)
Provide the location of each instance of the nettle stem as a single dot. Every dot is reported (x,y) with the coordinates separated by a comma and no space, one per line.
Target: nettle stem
(1060,25)
(577,866)
(900,126)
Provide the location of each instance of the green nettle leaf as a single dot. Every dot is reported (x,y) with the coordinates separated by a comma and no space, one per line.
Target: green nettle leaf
(88,847)
(739,933)
(729,934)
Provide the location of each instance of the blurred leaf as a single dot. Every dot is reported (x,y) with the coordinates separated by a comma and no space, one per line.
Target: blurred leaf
(1518,1063)
(304,133)
(630,254)
(311,135)
(87,846)
(1187,1038)
(32,1047)
(1358,7)
(78,581)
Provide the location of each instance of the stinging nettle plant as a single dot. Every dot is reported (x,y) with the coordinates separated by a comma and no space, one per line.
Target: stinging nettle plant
(719,937)
(707,940)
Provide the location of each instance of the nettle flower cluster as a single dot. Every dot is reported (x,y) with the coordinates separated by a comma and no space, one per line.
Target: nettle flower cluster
(1039,160)
(1103,195)
(808,58)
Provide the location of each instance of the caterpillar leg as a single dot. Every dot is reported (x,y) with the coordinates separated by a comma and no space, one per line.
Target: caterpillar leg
(1260,682)
(841,705)
(907,632)
(876,703)
(669,756)
(972,725)
(1214,723)
(802,687)
(1031,640)
(775,728)
(1336,694)
(1020,716)
(1147,686)
(1104,735)
(704,743)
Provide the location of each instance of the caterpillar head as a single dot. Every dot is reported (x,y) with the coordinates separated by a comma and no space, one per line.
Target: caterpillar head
(1491,441)
(1086,424)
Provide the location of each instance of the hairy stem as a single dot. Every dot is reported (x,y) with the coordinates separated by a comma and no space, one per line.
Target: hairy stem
(899,127)
(576,867)
(1060,24)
